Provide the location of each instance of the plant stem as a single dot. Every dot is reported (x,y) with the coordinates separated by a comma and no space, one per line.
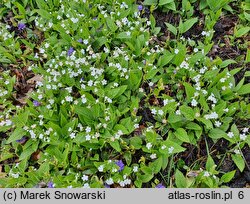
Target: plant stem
(169,170)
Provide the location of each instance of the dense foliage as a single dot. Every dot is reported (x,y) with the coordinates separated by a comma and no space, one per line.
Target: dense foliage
(109,93)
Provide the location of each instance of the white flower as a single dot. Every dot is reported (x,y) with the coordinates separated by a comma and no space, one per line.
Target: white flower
(100,168)
(230,134)
(206,174)
(196,50)
(153,156)
(178,112)
(151,83)
(176,51)
(72,135)
(153,111)
(135,169)
(163,147)
(149,145)
(170,150)
(85,177)
(226,110)
(160,112)
(212,98)
(88,129)
(74,20)
(222,80)
(212,115)
(69,98)
(109,181)
(86,185)
(245,130)
(223,88)
(217,123)
(194,103)
(165,102)
(88,137)
(243,137)
(236,151)
(46,45)
(136,126)
(128,33)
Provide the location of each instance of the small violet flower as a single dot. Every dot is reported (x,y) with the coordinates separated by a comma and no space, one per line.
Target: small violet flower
(70,51)
(36,103)
(21,26)
(106,186)
(22,140)
(80,40)
(120,164)
(50,184)
(160,185)
(140,7)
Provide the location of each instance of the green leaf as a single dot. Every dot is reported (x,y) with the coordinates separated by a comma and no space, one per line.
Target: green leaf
(163,2)
(193,126)
(169,6)
(177,148)
(217,134)
(171,28)
(146,178)
(150,2)
(241,32)
(227,62)
(207,123)
(146,170)
(41,4)
(227,177)
(111,24)
(180,179)
(20,8)
(115,92)
(116,145)
(182,135)
(245,89)
(16,135)
(248,56)
(128,157)
(136,142)
(188,112)
(43,169)
(85,115)
(184,27)
(165,59)
(135,79)
(156,165)
(43,13)
(190,90)
(173,118)
(239,161)
(26,153)
(99,42)
(210,165)
(123,35)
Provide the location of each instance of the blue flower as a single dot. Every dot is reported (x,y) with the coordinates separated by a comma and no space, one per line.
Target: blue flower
(160,185)
(120,164)
(140,7)
(22,140)
(106,186)
(36,103)
(21,26)
(50,184)
(80,40)
(70,51)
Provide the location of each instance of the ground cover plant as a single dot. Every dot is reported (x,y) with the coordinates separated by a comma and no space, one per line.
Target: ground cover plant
(124,94)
